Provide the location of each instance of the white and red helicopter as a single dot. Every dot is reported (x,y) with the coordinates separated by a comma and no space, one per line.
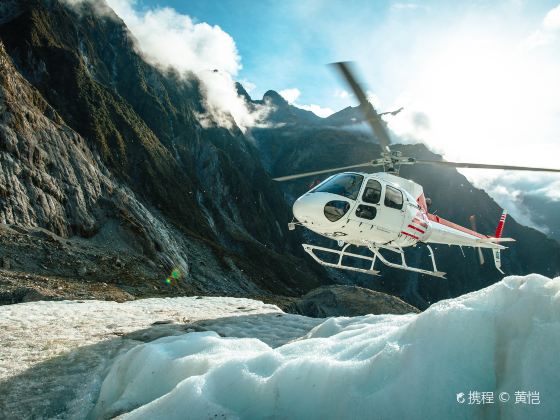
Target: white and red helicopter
(383,211)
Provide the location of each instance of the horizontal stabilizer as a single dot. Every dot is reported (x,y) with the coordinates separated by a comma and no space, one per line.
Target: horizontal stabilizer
(496,240)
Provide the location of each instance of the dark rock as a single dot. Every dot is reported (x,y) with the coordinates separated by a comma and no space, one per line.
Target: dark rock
(34,295)
(163,322)
(342,300)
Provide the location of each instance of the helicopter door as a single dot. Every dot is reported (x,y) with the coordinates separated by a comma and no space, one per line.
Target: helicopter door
(382,211)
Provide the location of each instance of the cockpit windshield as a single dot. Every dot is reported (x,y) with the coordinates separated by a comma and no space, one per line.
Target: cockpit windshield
(346,185)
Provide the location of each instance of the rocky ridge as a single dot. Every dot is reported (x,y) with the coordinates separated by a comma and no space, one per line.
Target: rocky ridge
(107,175)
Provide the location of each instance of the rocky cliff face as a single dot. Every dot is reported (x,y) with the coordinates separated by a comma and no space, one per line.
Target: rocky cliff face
(49,176)
(103,155)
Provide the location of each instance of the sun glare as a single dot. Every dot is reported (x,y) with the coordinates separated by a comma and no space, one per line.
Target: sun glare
(486,99)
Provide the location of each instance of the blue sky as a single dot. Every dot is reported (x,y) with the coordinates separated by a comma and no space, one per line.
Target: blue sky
(286,44)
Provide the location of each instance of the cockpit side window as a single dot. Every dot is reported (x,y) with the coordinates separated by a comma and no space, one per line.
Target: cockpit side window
(372,192)
(346,185)
(393,198)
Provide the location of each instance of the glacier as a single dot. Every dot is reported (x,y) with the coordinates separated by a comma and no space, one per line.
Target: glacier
(151,358)
(504,338)
(54,355)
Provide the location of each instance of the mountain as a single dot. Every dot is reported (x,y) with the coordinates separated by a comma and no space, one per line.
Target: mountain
(344,117)
(106,173)
(340,140)
(110,185)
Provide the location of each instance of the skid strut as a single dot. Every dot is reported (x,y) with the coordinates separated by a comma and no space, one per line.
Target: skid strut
(376,255)
(403,265)
(341,254)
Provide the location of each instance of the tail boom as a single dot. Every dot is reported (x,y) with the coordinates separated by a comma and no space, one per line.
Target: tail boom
(445,232)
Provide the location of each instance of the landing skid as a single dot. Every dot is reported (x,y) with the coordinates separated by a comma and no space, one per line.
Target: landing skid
(341,254)
(376,255)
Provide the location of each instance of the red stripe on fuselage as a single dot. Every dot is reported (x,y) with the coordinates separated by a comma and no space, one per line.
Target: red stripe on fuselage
(411,235)
(416,228)
(419,222)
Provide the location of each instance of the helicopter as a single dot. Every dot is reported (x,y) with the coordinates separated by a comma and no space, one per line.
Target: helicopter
(383,211)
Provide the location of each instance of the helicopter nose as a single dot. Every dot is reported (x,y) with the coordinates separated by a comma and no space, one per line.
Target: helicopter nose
(308,209)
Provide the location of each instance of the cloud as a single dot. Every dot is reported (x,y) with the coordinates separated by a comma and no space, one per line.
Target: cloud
(404,6)
(169,39)
(510,189)
(341,93)
(290,95)
(548,31)
(224,106)
(552,19)
(374,100)
(247,85)
(317,110)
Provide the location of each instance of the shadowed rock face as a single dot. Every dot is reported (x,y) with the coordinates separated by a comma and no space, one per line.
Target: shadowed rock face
(340,300)
(50,177)
(106,152)
(56,191)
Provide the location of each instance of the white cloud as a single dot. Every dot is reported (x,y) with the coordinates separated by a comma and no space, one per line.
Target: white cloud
(404,6)
(172,39)
(548,31)
(551,190)
(374,100)
(509,188)
(247,85)
(552,19)
(317,110)
(290,95)
(169,39)
(223,104)
(341,93)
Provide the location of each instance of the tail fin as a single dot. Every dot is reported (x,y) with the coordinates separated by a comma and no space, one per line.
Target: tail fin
(500,227)
(496,252)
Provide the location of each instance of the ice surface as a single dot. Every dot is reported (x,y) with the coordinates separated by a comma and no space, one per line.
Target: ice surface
(504,338)
(54,355)
(68,359)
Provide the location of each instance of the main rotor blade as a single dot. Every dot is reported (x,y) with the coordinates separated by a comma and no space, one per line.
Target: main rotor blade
(484,166)
(370,114)
(325,171)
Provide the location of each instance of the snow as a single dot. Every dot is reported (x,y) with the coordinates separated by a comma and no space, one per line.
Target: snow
(54,355)
(504,338)
(239,358)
